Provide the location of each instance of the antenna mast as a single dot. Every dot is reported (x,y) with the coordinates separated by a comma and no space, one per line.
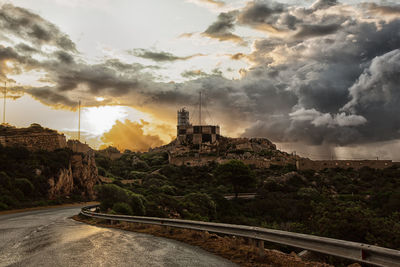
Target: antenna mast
(200,108)
(79,121)
(4,105)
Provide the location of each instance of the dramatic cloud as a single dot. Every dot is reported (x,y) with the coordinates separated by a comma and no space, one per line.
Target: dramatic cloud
(316,30)
(223,27)
(159,56)
(193,73)
(328,75)
(130,135)
(264,15)
(31,27)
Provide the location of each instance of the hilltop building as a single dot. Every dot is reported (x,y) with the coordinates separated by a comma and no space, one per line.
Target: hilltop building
(195,134)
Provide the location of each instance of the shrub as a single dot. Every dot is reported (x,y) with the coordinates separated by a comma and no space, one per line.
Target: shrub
(3,206)
(122,208)
(25,186)
(136,202)
(237,174)
(5,180)
(199,204)
(111,194)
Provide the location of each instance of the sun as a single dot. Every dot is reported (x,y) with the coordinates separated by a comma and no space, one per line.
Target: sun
(98,120)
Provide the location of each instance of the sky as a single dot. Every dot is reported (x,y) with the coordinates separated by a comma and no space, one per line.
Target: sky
(321,78)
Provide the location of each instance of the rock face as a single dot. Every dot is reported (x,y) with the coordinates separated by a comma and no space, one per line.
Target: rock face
(79,178)
(81,174)
(84,173)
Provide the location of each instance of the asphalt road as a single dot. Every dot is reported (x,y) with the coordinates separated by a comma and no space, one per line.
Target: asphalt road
(50,238)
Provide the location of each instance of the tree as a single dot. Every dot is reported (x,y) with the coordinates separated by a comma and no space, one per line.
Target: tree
(200,206)
(238,174)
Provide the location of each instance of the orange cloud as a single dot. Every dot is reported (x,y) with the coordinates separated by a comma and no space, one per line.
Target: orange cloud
(133,136)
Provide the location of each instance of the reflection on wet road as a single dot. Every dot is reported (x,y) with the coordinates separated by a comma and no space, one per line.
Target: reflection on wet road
(50,238)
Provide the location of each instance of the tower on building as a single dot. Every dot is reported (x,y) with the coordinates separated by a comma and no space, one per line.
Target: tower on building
(183,117)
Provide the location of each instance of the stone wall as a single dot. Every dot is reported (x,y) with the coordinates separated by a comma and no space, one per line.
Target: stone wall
(33,138)
(307,164)
(35,141)
(77,146)
(205,160)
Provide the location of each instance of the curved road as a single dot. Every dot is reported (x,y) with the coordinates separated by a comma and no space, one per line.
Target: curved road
(50,238)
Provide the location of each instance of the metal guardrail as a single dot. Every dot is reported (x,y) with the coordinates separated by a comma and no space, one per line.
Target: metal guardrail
(358,252)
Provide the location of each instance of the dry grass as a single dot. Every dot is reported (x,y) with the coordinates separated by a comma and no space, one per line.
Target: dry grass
(235,249)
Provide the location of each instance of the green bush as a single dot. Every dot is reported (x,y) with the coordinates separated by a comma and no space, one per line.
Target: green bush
(5,180)
(25,186)
(3,206)
(111,194)
(238,174)
(199,204)
(137,202)
(122,208)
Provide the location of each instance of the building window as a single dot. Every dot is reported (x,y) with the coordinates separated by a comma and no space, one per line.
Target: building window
(196,129)
(182,131)
(206,138)
(189,138)
(213,130)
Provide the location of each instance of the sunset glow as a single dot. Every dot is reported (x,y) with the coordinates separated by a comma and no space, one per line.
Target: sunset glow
(300,73)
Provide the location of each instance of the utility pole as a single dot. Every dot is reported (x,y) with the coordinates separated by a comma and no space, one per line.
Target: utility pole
(79,121)
(4,105)
(200,108)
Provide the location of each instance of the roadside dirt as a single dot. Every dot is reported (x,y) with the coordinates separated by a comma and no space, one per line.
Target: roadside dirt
(235,249)
(48,207)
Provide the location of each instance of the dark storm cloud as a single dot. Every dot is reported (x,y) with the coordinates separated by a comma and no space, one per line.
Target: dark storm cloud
(48,96)
(376,95)
(316,30)
(159,56)
(31,27)
(323,74)
(223,27)
(314,88)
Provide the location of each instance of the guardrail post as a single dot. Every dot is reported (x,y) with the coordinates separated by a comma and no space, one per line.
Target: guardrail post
(261,247)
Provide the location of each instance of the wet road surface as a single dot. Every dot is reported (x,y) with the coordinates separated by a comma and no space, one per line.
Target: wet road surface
(50,238)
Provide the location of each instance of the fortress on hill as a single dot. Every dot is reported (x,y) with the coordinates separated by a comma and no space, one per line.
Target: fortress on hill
(196,134)
(198,145)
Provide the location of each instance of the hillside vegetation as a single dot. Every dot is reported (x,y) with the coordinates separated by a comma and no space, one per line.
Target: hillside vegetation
(361,206)
(24,177)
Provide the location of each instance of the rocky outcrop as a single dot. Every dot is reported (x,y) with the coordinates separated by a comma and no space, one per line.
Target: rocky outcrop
(79,178)
(62,185)
(84,173)
(259,152)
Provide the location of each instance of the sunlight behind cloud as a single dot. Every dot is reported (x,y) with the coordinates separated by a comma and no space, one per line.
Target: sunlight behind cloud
(100,119)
